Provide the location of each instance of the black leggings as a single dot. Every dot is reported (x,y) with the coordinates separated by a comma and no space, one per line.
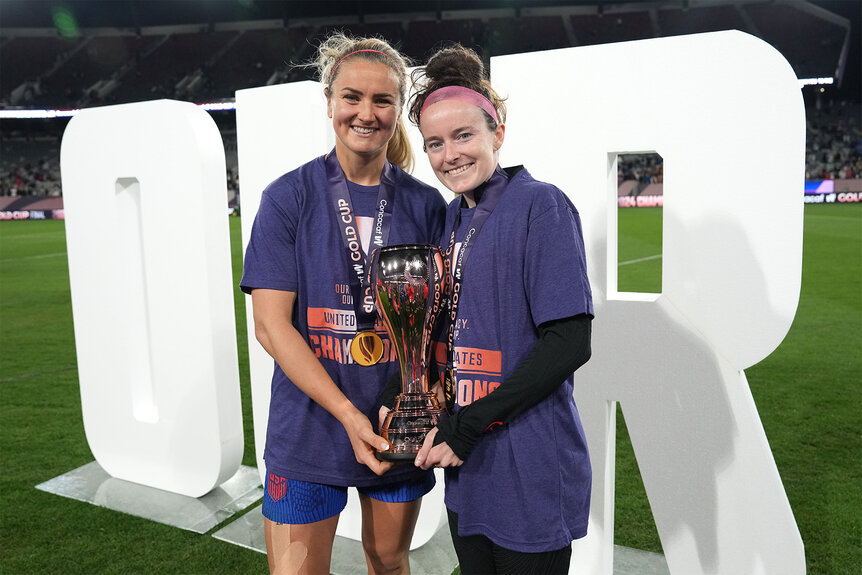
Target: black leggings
(478,555)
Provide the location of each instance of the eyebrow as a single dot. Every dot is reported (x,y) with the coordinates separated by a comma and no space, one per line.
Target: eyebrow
(453,132)
(361,93)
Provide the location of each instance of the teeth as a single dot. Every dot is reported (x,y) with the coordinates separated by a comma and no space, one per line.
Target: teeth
(363,130)
(456,171)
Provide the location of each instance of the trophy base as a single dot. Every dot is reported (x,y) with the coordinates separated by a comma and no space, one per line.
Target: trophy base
(397,457)
(405,427)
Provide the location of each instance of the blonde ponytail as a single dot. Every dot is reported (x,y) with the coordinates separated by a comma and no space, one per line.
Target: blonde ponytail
(399,151)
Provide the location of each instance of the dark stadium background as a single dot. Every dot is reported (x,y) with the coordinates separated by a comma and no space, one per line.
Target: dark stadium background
(807,391)
(809,50)
(68,54)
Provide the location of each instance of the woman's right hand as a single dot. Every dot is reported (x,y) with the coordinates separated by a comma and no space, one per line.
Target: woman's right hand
(440,455)
(365,442)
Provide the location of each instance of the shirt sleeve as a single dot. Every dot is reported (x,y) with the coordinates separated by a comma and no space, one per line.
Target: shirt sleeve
(555,269)
(563,346)
(270,257)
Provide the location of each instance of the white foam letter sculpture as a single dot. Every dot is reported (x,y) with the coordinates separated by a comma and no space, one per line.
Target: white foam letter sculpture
(149,262)
(725,112)
(280,128)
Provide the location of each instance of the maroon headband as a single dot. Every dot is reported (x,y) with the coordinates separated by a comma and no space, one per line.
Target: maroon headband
(463,94)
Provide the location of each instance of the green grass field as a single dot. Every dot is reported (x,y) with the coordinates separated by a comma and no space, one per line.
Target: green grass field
(807,392)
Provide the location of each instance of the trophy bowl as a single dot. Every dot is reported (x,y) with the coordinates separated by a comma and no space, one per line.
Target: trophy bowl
(409,286)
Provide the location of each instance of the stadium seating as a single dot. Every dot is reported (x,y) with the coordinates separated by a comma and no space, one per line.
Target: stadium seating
(210,61)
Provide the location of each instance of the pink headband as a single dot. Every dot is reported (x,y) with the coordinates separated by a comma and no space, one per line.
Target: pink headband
(397,65)
(463,94)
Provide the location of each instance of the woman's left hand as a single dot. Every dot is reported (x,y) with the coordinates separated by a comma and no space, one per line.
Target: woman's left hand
(436,455)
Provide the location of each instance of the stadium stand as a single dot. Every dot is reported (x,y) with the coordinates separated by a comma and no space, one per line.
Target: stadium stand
(621,27)
(98,60)
(526,34)
(30,167)
(24,60)
(214,59)
(833,145)
(773,22)
(705,19)
(424,36)
(257,58)
(175,66)
(627,188)
(209,61)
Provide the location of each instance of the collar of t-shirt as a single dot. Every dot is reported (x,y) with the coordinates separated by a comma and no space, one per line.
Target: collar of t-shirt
(479,191)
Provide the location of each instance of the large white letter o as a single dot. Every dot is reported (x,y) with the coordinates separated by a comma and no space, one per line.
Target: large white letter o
(149,262)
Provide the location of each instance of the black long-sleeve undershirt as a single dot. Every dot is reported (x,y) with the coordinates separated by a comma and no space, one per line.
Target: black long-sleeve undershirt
(563,346)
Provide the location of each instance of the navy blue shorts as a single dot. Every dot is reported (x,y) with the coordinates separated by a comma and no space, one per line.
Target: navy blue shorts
(298,502)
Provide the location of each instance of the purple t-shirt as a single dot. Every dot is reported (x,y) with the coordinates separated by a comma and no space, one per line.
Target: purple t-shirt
(526,485)
(296,245)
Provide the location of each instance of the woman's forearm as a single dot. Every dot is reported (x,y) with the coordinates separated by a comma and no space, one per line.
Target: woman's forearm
(275,331)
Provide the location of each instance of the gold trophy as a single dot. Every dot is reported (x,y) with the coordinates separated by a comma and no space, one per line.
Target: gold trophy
(409,286)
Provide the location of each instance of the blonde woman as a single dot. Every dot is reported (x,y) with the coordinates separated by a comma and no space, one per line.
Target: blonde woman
(304,268)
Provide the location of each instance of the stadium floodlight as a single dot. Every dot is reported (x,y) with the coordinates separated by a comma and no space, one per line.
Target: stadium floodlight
(218,106)
(815,81)
(35,114)
(27,114)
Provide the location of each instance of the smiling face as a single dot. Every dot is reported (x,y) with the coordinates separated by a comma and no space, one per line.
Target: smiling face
(462,150)
(364,104)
